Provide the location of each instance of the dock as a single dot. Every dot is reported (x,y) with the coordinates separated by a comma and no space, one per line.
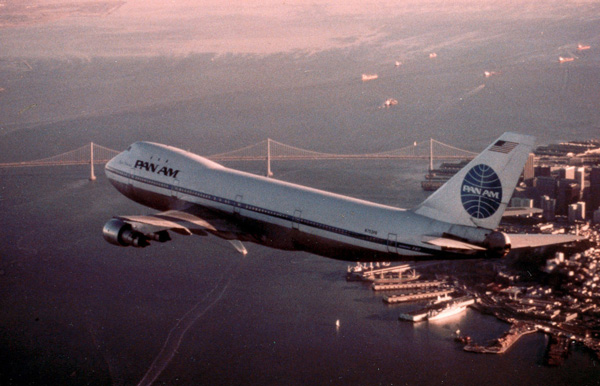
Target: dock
(418,295)
(393,273)
(402,285)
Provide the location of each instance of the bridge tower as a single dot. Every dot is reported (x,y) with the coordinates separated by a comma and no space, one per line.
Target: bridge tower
(269,172)
(92,175)
(430,155)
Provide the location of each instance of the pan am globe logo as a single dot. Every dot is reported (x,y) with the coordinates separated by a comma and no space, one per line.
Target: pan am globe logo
(481,191)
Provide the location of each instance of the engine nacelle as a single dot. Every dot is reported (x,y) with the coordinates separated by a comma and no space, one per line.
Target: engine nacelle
(120,233)
(497,244)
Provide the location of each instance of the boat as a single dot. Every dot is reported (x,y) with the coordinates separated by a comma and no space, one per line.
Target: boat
(431,185)
(442,299)
(390,102)
(562,59)
(582,47)
(449,310)
(367,77)
(435,178)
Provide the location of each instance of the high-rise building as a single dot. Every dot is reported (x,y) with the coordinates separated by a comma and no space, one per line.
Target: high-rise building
(528,170)
(567,193)
(567,173)
(548,206)
(542,171)
(596,218)
(594,194)
(577,212)
(546,186)
(580,176)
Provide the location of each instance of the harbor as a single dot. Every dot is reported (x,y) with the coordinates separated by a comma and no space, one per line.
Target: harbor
(505,342)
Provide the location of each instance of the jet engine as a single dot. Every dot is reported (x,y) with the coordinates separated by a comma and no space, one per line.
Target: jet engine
(120,233)
(497,244)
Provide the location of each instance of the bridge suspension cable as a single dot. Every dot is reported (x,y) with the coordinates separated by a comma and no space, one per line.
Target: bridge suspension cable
(265,150)
(280,151)
(87,154)
(272,150)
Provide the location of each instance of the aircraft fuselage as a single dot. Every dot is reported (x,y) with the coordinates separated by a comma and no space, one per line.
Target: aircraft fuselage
(272,212)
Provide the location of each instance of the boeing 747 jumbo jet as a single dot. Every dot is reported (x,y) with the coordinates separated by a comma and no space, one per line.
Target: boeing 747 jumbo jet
(197,196)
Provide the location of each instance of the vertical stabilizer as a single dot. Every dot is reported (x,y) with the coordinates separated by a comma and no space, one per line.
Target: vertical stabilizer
(478,194)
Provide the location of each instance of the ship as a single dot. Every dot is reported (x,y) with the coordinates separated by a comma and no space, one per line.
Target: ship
(366,77)
(449,310)
(433,184)
(438,177)
(451,307)
(582,47)
(562,59)
(390,102)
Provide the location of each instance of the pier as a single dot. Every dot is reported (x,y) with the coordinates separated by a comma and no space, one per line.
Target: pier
(403,285)
(419,295)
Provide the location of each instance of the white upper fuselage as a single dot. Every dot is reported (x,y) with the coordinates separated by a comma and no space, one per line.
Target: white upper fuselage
(166,178)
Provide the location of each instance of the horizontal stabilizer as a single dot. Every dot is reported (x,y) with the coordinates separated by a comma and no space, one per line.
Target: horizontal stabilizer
(539,240)
(514,212)
(447,243)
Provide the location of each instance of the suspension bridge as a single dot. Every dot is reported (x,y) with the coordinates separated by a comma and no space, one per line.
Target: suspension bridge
(267,150)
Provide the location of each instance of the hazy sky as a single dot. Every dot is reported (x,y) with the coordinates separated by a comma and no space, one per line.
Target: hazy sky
(83,28)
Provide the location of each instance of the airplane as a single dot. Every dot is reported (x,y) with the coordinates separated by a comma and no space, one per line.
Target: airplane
(198,196)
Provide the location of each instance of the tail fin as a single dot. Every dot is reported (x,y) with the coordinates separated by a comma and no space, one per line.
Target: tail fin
(478,194)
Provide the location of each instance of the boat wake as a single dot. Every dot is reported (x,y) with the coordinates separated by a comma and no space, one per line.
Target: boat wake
(177,333)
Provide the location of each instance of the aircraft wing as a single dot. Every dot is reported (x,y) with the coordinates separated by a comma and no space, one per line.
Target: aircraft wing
(184,223)
(523,240)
